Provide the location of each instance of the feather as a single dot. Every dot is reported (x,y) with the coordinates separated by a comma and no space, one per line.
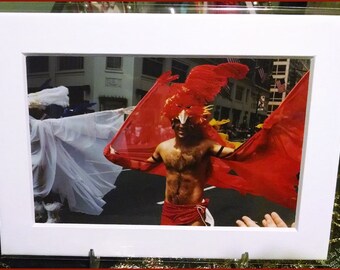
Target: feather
(201,86)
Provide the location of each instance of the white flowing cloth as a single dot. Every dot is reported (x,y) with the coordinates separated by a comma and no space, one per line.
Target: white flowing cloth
(67,158)
(57,95)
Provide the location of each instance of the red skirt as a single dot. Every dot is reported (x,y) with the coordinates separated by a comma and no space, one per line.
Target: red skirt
(173,214)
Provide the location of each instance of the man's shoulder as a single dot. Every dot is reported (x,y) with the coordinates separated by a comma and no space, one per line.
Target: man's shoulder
(210,144)
(207,141)
(167,143)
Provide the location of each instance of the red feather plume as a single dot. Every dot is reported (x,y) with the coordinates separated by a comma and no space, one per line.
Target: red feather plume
(202,85)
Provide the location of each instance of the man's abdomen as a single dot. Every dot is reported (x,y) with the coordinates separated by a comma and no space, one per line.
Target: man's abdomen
(183,188)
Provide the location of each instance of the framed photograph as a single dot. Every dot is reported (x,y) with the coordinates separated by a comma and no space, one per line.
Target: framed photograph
(44,51)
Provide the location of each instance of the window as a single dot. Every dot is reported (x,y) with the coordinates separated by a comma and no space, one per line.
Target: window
(278,96)
(152,66)
(180,69)
(217,112)
(272,107)
(236,116)
(275,96)
(140,93)
(247,95)
(224,113)
(239,93)
(37,64)
(70,63)
(221,112)
(281,68)
(113,63)
(226,91)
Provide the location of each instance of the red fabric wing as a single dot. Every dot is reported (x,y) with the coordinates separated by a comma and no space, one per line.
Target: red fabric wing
(266,165)
(270,160)
(143,130)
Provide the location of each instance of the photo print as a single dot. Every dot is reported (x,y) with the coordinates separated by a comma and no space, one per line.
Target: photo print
(137,140)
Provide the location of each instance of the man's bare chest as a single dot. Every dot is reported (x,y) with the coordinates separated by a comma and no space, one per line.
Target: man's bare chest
(185,159)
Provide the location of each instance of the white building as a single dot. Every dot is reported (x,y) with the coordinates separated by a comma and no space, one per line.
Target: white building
(288,72)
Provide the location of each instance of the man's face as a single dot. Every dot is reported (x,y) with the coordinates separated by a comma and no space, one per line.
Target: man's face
(182,130)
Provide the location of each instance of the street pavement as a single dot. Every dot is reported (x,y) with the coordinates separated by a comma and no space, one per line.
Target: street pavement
(137,199)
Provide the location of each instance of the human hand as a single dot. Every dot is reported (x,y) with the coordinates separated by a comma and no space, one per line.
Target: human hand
(273,220)
(270,220)
(246,222)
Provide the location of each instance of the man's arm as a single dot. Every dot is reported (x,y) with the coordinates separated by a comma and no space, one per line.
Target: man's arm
(156,156)
(135,164)
(221,151)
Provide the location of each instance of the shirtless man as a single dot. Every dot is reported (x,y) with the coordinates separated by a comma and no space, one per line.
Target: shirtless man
(186,156)
(187,161)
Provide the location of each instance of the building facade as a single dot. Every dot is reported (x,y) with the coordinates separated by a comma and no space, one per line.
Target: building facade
(286,73)
(113,82)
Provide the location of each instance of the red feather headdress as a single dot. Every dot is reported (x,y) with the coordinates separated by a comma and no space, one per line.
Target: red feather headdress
(202,85)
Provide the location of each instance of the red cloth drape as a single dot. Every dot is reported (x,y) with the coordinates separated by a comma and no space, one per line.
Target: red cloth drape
(267,165)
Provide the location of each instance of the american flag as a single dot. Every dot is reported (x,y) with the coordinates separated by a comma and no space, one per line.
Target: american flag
(262,74)
(232,60)
(281,85)
(226,92)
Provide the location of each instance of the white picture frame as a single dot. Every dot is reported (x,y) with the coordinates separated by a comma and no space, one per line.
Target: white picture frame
(201,35)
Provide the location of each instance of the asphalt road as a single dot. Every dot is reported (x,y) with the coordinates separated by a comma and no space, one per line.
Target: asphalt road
(138,200)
